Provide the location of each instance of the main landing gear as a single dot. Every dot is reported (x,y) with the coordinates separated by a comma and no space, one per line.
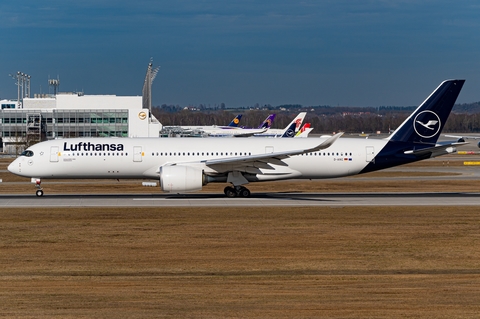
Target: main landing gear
(39,191)
(236,191)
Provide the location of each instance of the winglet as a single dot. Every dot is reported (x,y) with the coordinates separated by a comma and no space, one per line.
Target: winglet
(325,144)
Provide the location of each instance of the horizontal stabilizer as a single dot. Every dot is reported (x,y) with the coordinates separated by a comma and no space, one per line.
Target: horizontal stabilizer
(436,150)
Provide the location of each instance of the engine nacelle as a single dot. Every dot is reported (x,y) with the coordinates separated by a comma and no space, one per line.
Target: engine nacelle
(181,179)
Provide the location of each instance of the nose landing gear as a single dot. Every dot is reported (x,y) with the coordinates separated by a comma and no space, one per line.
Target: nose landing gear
(39,191)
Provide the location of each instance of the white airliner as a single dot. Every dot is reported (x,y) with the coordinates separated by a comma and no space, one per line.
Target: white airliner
(186,164)
(231,130)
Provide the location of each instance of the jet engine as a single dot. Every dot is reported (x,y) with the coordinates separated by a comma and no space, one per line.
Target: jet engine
(181,179)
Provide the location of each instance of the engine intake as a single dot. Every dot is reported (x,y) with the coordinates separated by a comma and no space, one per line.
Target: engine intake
(181,179)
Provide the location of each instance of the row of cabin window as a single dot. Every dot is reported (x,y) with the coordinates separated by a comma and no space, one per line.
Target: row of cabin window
(200,154)
(203,154)
(97,154)
(240,154)
(327,154)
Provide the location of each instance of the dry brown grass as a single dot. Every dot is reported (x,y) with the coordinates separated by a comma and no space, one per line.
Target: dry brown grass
(369,262)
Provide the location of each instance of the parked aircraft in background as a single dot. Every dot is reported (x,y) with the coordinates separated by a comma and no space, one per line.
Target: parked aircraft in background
(304,131)
(267,122)
(235,121)
(280,132)
(465,137)
(223,131)
(186,164)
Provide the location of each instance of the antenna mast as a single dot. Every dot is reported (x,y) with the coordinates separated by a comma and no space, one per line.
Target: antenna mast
(23,84)
(55,83)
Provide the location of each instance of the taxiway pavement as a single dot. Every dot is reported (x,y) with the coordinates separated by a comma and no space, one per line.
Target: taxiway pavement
(257,199)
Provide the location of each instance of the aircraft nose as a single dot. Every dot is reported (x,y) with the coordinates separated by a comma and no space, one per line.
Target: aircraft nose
(12,167)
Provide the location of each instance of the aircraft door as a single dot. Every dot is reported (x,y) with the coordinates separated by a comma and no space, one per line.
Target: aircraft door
(370,153)
(137,154)
(54,154)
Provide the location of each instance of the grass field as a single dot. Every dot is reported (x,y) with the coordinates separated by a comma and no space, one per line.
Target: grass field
(370,262)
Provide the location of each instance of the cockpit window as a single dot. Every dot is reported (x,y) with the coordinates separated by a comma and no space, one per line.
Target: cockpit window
(27,153)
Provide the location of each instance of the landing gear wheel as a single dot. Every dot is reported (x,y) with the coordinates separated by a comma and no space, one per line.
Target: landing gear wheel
(244,192)
(230,192)
(38,185)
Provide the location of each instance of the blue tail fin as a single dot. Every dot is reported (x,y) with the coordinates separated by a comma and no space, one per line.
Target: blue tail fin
(426,123)
(267,123)
(290,131)
(235,121)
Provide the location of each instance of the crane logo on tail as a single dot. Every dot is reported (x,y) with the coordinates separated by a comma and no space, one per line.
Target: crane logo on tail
(427,124)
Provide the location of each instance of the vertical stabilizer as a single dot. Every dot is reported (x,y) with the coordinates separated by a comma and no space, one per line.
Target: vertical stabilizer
(426,123)
(267,123)
(235,121)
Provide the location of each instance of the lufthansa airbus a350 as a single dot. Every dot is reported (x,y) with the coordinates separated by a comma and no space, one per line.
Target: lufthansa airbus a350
(186,164)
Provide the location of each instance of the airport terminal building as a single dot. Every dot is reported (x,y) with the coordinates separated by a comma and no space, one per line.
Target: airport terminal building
(65,115)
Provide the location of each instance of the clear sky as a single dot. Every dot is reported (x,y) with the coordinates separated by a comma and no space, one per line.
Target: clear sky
(324,52)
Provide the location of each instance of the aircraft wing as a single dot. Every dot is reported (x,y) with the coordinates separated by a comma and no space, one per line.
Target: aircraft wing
(274,157)
(437,150)
(239,162)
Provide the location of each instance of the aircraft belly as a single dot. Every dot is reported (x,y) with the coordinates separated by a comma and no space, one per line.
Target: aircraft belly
(91,167)
(315,167)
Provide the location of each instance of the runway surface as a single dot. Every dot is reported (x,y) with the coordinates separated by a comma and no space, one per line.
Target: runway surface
(257,199)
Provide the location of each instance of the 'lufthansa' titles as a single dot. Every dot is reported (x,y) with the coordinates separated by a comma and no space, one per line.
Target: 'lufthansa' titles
(87,147)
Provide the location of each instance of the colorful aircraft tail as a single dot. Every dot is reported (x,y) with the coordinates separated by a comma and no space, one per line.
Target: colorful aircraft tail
(304,131)
(235,121)
(294,125)
(267,123)
(290,131)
